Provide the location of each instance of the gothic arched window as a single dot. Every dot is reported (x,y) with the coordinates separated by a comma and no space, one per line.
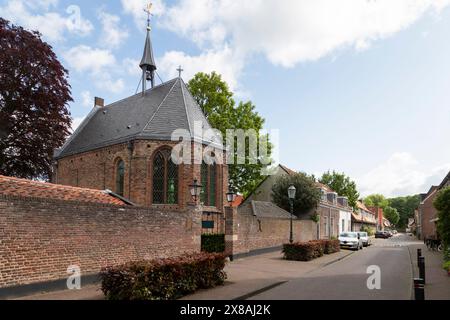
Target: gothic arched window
(120,177)
(208,194)
(165,178)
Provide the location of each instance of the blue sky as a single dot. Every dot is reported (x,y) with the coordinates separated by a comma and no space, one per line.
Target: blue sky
(357,86)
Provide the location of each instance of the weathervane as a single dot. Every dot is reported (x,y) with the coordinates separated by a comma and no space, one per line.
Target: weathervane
(149,14)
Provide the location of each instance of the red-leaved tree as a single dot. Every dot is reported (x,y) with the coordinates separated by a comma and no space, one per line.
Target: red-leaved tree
(34,97)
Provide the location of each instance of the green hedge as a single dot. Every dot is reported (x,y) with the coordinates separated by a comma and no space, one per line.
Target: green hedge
(302,251)
(331,246)
(213,243)
(306,251)
(163,279)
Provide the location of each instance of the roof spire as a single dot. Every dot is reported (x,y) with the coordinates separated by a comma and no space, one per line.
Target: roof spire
(147,64)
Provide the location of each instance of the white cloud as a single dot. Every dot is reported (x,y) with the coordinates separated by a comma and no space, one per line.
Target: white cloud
(224,61)
(86,99)
(106,83)
(291,31)
(113,35)
(400,175)
(84,58)
(98,63)
(131,66)
(51,24)
(136,7)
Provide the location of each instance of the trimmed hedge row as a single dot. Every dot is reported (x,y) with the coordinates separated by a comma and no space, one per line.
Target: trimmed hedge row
(213,243)
(307,251)
(163,279)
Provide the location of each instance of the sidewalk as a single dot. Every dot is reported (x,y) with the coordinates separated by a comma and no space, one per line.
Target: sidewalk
(246,277)
(437,285)
(252,275)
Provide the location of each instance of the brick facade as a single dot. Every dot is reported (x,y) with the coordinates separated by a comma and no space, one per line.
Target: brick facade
(97,169)
(41,238)
(246,233)
(329,221)
(427,212)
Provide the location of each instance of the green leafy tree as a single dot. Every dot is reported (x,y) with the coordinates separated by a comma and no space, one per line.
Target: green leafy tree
(343,185)
(391,214)
(34,97)
(442,205)
(216,100)
(307,195)
(405,207)
(376,200)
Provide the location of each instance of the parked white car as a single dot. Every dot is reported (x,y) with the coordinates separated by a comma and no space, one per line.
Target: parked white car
(365,238)
(350,240)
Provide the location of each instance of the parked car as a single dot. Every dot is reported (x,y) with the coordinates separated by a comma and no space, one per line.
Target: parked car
(389,233)
(351,240)
(365,238)
(381,235)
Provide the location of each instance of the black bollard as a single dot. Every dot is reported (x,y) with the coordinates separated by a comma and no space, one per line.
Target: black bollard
(422,269)
(419,254)
(419,289)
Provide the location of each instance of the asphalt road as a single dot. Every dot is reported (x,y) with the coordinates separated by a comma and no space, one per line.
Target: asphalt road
(347,279)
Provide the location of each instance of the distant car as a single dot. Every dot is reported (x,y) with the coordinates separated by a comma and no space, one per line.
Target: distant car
(381,235)
(394,231)
(389,233)
(365,238)
(351,240)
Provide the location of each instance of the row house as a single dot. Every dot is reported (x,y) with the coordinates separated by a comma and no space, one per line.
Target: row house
(427,213)
(363,217)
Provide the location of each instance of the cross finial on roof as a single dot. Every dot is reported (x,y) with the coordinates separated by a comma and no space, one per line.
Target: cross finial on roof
(179,71)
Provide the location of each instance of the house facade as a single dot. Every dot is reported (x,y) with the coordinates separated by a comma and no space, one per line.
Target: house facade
(363,217)
(426,213)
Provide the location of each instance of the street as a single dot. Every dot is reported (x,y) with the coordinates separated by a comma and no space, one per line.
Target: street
(347,279)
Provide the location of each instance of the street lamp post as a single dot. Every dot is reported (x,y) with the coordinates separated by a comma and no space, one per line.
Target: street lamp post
(291,195)
(231,196)
(195,189)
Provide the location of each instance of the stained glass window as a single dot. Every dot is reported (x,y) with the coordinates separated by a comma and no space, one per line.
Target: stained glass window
(172,182)
(165,179)
(208,193)
(120,177)
(212,185)
(204,192)
(158,179)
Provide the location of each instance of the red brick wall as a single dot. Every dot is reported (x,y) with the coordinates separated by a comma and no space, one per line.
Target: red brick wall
(249,233)
(41,238)
(258,233)
(428,213)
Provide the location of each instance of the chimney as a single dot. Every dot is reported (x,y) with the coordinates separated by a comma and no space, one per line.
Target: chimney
(99,102)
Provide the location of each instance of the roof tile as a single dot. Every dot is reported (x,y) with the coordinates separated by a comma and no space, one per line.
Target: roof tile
(10,186)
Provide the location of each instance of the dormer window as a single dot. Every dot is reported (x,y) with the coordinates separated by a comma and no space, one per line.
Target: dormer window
(323,194)
(332,197)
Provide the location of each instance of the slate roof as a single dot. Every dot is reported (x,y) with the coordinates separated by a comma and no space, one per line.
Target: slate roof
(147,58)
(154,116)
(10,186)
(266,209)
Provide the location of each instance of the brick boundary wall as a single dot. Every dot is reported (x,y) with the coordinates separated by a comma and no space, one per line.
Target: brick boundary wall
(40,238)
(246,234)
